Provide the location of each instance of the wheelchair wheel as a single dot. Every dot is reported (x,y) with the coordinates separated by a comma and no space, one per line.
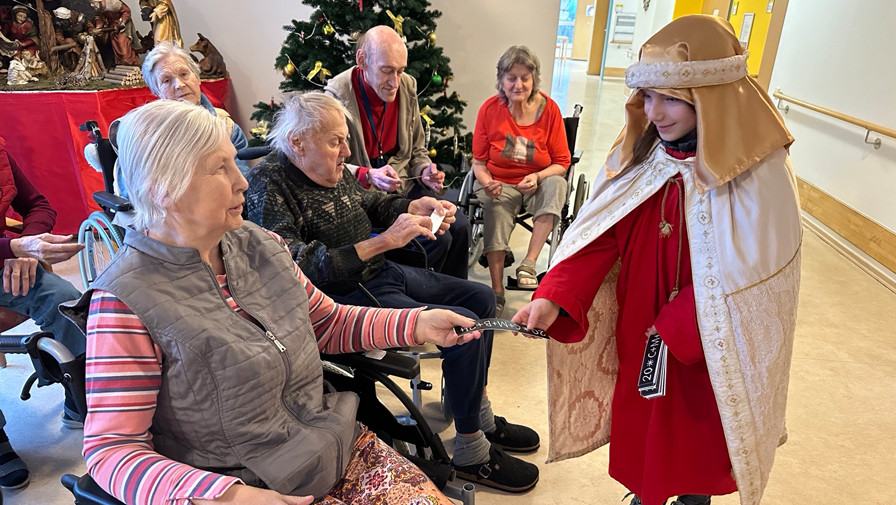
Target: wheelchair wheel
(581,194)
(101,241)
(443,402)
(476,244)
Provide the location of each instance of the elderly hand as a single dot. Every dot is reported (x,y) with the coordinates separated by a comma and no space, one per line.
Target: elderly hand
(426,205)
(437,326)
(539,313)
(45,247)
(19,275)
(385,178)
(239,494)
(406,227)
(528,185)
(432,177)
(493,189)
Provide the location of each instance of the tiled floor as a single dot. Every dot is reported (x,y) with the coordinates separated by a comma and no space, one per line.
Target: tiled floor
(840,412)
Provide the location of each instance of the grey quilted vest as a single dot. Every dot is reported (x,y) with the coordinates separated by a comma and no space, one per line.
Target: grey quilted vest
(235,399)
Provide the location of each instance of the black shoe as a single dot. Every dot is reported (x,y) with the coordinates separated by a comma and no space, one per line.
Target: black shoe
(13,472)
(513,437)
(693,499)
(635,499)
(502,472)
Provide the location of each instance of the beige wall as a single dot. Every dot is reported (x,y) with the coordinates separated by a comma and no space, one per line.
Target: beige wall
(473,33)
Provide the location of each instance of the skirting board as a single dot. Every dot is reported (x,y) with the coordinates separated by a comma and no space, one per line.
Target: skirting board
(868,264)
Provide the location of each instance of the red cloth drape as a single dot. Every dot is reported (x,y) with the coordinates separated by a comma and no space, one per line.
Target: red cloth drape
(41,131)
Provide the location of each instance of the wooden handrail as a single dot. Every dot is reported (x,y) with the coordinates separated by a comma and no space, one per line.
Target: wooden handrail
(889,132)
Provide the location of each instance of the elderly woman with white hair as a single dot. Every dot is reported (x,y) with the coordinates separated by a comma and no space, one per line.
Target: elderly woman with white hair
(204,381)
(171,73)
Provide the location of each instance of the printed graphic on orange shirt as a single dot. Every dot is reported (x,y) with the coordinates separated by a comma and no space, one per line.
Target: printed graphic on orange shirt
(519,149)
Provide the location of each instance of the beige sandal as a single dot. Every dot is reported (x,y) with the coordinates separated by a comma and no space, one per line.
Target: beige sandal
(526,272)
(500,302)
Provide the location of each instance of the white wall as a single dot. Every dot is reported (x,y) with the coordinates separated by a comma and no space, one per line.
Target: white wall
(622,55)
(840,58)
(474,34)
(648,22)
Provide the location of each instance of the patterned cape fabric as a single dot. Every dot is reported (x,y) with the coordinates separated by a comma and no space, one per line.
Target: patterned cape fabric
(744,239)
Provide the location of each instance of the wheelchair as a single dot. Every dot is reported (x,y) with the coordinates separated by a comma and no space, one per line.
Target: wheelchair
(346,372)
(575,197)
(101,238)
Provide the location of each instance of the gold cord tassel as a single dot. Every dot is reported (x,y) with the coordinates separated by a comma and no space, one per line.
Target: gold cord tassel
(665,229)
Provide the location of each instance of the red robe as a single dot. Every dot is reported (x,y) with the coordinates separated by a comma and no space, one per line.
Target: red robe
(122,43)
(665,446)
(24,33)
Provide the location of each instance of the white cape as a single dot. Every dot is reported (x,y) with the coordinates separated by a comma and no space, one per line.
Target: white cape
(744,239)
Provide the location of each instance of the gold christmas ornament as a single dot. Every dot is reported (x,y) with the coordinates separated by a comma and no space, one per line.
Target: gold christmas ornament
(319,71)
(432,152)
(289,69)
(425,114)
(397,20)
(328,29)
(261,130)
(432,39)
(443,132)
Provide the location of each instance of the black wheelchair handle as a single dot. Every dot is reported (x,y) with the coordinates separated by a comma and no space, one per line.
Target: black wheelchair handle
(251,153)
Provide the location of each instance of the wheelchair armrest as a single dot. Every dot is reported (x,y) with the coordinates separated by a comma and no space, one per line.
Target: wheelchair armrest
(111,201)
(86,490)
(576,156)
(391,364)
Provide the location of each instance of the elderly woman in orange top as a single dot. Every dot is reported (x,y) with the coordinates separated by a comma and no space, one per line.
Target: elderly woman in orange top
(520,158)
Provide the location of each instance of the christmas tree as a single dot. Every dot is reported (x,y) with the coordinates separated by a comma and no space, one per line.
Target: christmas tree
(325,45)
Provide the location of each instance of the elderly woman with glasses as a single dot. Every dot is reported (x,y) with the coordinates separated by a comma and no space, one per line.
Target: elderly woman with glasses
(204,380)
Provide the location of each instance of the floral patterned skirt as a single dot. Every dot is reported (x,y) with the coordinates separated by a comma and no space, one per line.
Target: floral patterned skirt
(378,475)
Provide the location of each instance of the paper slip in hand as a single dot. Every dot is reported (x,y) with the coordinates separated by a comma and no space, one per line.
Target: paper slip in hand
(501,324)
(436,219)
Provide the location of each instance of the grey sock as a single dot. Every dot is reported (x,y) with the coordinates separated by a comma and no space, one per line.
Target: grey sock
(471,450)
(486,416)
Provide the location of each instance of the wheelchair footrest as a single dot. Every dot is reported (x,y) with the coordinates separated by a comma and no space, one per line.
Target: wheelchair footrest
(513,284)
(391,364)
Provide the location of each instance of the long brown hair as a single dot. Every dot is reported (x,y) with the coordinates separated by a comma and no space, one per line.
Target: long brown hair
(643,145)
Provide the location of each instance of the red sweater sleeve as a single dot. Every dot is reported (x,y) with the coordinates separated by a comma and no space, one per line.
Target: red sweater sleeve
(37,215)
(677,324)
(480,133)
(564,285)
(558,147)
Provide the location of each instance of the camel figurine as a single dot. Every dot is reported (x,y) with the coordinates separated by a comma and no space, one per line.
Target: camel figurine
(212,62)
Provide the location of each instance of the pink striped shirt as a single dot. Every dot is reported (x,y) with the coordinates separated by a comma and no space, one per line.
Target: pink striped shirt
(124,377)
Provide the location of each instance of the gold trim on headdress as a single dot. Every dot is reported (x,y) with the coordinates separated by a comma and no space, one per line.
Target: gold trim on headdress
(686,74)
